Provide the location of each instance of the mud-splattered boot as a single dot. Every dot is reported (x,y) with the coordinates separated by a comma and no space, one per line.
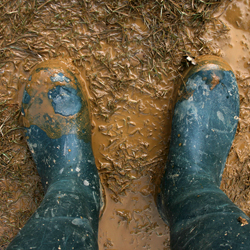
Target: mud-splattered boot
(57,123)
(205,119)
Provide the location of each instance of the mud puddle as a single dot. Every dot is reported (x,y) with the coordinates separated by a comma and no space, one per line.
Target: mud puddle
(131,100)
(145,230)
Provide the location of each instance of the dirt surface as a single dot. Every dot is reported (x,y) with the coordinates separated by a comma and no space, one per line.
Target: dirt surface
(130,57)
(234,47)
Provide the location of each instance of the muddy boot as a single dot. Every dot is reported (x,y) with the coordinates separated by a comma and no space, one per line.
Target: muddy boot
(56,118)
(205,119)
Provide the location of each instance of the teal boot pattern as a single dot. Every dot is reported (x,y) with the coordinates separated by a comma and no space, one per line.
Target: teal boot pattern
(57,125)
(205,120)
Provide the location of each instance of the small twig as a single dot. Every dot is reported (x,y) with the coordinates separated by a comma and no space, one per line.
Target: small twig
(43,4)
(6,119)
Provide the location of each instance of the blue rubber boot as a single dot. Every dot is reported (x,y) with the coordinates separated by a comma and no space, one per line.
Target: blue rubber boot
(205,119)
(58,132)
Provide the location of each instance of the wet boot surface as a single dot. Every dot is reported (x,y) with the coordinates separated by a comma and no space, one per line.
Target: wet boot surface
(57,125)
(205,119)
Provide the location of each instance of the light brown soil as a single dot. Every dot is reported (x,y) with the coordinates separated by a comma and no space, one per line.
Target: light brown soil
(130,60)
(234,47)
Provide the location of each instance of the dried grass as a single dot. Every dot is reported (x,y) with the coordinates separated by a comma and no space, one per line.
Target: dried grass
(20,188)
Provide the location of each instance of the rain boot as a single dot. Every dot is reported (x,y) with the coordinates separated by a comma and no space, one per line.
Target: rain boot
(58,133)
(205,119)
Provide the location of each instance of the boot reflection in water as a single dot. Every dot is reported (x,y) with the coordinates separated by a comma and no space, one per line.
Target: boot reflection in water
(58,133)
(205,119)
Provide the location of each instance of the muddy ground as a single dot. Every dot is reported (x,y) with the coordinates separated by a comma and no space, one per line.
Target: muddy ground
(131,55)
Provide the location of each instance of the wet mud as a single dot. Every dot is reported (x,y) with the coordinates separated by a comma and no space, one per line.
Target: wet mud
(131,89)
(233,47)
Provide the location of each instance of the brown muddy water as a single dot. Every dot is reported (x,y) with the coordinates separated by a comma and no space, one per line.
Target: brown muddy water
(131,121)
